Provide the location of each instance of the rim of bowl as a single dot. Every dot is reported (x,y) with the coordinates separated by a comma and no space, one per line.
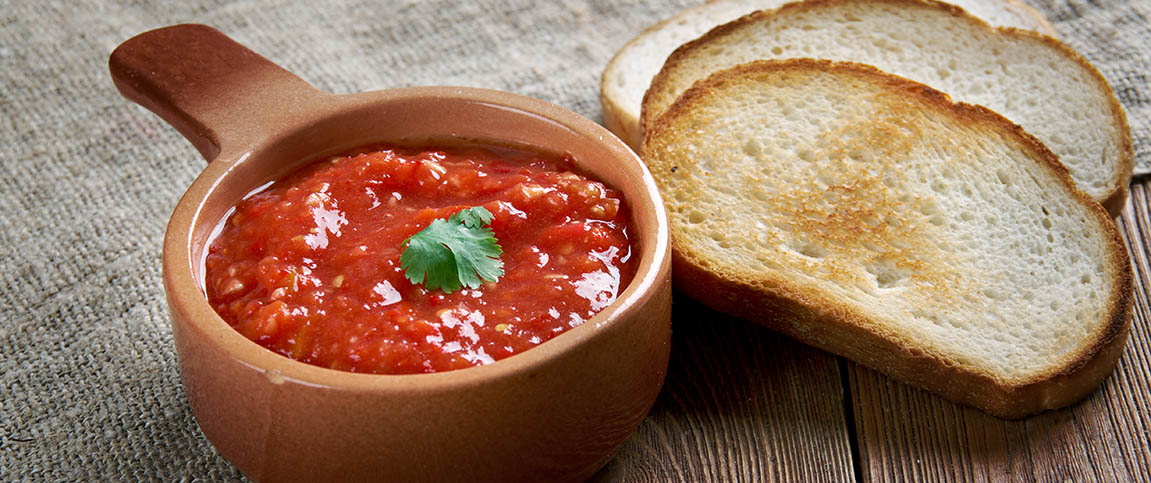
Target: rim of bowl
(184,292)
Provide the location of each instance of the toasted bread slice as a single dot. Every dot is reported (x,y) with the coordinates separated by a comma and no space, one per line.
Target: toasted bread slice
(630,72)
(872,217)
(1034,81)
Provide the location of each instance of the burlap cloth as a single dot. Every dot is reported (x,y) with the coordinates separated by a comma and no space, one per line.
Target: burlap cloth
(89,387)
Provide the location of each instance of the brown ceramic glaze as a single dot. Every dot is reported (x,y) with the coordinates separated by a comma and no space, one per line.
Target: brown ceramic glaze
(555,412)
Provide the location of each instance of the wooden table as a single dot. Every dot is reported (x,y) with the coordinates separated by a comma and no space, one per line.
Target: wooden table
(742,403)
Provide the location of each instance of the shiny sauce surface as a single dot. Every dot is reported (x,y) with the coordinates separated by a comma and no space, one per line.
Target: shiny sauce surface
(310,266)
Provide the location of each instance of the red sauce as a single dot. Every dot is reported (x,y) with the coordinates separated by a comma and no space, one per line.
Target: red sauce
(310,267)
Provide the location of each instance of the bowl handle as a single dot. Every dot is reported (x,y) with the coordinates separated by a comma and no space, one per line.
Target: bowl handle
(219,94)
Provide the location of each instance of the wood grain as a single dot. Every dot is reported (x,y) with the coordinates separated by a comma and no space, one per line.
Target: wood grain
(908,434)
(740,403)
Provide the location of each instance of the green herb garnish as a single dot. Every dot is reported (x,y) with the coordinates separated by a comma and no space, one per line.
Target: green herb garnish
(460,251)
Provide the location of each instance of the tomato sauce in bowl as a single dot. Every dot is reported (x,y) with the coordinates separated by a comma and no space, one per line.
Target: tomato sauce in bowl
(309,266)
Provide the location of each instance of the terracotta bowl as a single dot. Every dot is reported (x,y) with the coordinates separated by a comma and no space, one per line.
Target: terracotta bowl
(555,412)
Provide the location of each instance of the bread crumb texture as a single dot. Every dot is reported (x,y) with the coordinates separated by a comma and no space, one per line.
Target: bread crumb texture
(1035,82)
(943,227)
(631,71)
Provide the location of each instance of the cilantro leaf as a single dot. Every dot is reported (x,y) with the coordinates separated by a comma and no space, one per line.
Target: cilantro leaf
(476,217)
(460,251)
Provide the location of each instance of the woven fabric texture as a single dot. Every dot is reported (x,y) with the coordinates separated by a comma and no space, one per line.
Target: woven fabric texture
(89,385)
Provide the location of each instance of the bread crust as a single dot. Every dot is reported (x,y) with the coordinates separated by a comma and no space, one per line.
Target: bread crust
(619,117)
(1120,181)
(1044,25)
(616,120)
(615,116)
(1113,200)
(833,326)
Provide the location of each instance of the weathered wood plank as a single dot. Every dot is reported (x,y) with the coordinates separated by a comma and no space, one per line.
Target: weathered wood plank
(907,434)
(741,403)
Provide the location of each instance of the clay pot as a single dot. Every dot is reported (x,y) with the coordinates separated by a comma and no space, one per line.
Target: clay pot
(555,412)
